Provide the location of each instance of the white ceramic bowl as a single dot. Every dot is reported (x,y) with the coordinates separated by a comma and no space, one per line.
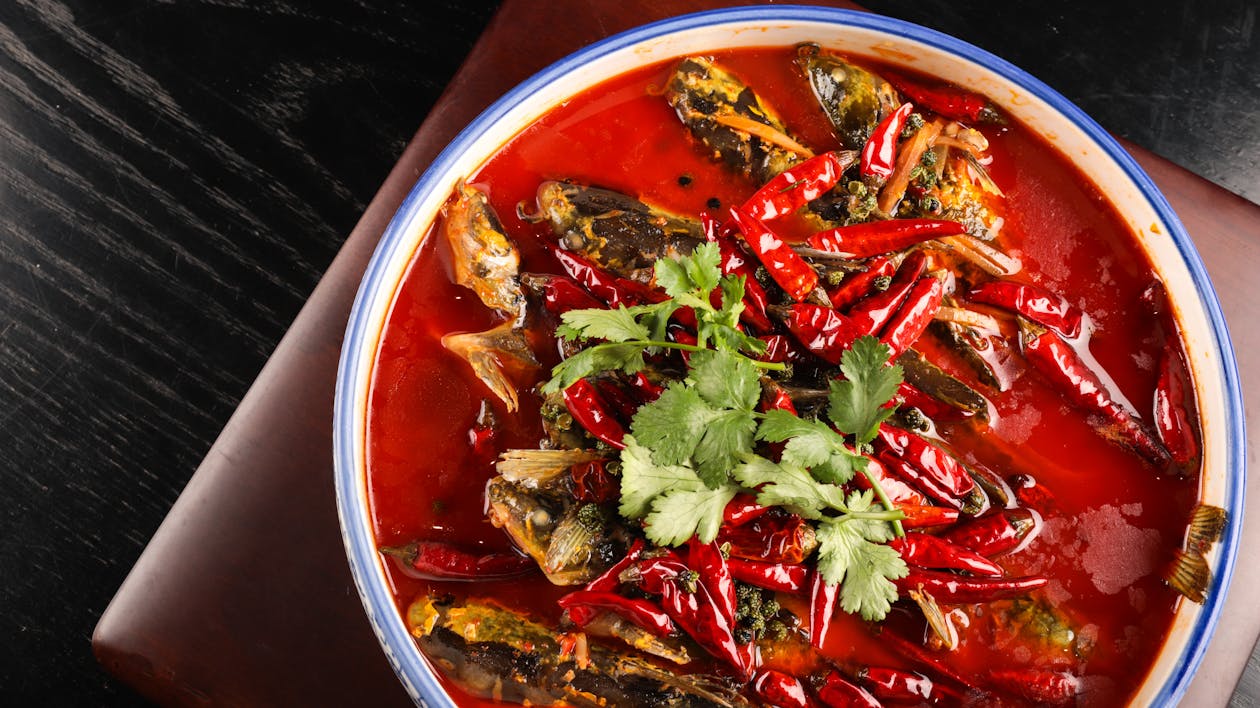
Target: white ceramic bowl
(899,43)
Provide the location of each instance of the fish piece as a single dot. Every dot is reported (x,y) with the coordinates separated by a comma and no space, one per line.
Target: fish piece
(484,257)
(965,198)
(618,232)
(572,543)
(672,648)
(727,116)
(1034,619)
(854,99)
(487,262)
(939,384)
(493,652)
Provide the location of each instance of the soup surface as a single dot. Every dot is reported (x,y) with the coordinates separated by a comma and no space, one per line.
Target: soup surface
(1105,522)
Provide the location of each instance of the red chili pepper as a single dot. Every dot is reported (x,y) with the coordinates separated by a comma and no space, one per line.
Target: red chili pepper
(434,560)
(946,101)
(742,509)
(620,402)
(775,398)
(995,533)
(871,313)
(927,551)
(735,262)
(645,388)
(905,327)
(1059,362)
(643,613)
(898,491)
(707,560)
(779,348)
(1033,302)
(932,407)
(786,267)
(821,330)
(781,577)
(917,479)
(879,154)
(695,611)
(1172,416)
(605,286)
(795,187)
(924,516)
(874,238)
(781,690)
(777,538)
(683,336)
(560,294)
(858,285)
(927,659)
(959,589)
(1038,686)
(592,483)
(611,578)
(590,410)
(837,692)
(889,684)
(935,462)
(822,605)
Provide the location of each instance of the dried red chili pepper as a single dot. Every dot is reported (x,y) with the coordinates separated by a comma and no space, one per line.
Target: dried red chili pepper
(645,388)
(946,101)
(914,315)
(837,692)
(619,401)
(1172,416)
(683,336)
(959,589)
(742,509)
(995,533)
(643,613)
(780,348)
(560,294)
(860,284)
(871,313)
(927,551)
(1068,372)
(930,459)
(786,267)
(695,611)
(918,480)
(879,154)
(1035,303)
(795,187)
(781,690)
(897,489)
(605,286)
(608,580)
(910,396)
(822,605)
(591,411)
(776,398)
(782,577)
(735,262)
(924,516)
(592,482)
(923,657)
(434,560)
(707,560)
(1039,686)
(774,538)
(821,330)
(889,684)
(875,238)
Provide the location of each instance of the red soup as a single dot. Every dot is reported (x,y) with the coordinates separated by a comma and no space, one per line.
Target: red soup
(903,454)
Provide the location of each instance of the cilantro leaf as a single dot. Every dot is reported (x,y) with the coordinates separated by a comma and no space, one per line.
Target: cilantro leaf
(725,379)
(642,480)
(696,273)
(727,435)
(678,515)
(856,405)
(673,424)
(618,325)
(610,356)
(864,570)
(789,486)
(812,444)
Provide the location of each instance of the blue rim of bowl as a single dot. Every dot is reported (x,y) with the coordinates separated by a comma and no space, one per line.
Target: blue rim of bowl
(411,667)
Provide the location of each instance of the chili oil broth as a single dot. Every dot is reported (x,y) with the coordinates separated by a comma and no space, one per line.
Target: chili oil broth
(1111,523)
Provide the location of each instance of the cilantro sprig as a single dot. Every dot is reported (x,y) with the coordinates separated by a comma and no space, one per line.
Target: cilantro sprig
(694,448)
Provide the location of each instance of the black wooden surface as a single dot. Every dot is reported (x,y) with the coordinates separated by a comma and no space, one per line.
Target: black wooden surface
(175,176)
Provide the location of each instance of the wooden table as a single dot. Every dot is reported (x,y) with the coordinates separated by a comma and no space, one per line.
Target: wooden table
(178,176)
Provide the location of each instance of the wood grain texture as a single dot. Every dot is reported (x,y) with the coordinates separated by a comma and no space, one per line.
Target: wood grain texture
(176,176)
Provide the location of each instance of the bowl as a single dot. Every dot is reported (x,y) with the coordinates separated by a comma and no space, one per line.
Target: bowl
(897,43)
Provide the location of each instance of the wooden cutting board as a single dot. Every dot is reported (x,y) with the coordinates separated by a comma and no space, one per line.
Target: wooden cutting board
(244,595)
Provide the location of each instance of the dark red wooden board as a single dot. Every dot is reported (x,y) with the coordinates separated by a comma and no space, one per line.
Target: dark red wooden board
(244,595)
